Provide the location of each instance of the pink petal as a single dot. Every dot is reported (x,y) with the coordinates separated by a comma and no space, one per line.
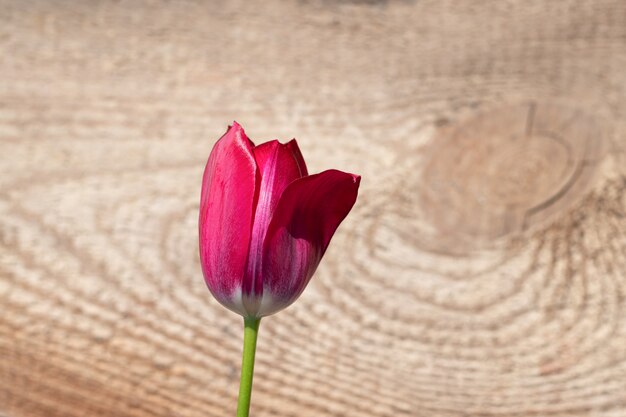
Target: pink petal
(228,191)
(308,213)
(278,166)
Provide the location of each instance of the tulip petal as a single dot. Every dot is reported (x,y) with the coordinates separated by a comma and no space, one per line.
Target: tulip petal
(278,166)
(226,207)
(307,215)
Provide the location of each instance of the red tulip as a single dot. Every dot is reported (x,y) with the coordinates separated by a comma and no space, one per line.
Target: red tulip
(265,223)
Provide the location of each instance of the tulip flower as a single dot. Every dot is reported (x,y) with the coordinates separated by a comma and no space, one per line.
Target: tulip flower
(265,224)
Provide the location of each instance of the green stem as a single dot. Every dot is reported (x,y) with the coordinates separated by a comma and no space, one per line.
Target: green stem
(250,332)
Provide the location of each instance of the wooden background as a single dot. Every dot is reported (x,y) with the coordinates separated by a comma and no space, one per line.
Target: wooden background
(481,273)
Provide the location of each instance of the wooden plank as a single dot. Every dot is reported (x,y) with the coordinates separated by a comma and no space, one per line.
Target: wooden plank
(482,272)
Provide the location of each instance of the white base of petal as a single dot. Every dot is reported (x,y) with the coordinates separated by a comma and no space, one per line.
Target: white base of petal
(253,306)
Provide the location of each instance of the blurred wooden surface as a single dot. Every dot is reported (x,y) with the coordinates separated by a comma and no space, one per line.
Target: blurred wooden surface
(482,272)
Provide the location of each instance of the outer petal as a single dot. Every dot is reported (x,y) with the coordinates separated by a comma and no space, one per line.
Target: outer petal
(226,204)
(278,166)
(307,215)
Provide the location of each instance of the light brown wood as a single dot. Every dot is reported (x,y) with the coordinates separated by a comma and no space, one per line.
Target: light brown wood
(481,273)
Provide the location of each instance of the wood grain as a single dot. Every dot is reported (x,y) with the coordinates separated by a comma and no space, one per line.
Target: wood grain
(482,272)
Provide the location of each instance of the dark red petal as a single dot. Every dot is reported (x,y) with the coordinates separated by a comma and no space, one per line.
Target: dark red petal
(307,215)
(278,165)
(226,205)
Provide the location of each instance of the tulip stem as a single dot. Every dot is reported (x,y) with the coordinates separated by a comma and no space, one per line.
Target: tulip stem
(250,332)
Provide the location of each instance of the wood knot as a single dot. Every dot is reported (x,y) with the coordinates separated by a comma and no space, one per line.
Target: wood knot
(507,170)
